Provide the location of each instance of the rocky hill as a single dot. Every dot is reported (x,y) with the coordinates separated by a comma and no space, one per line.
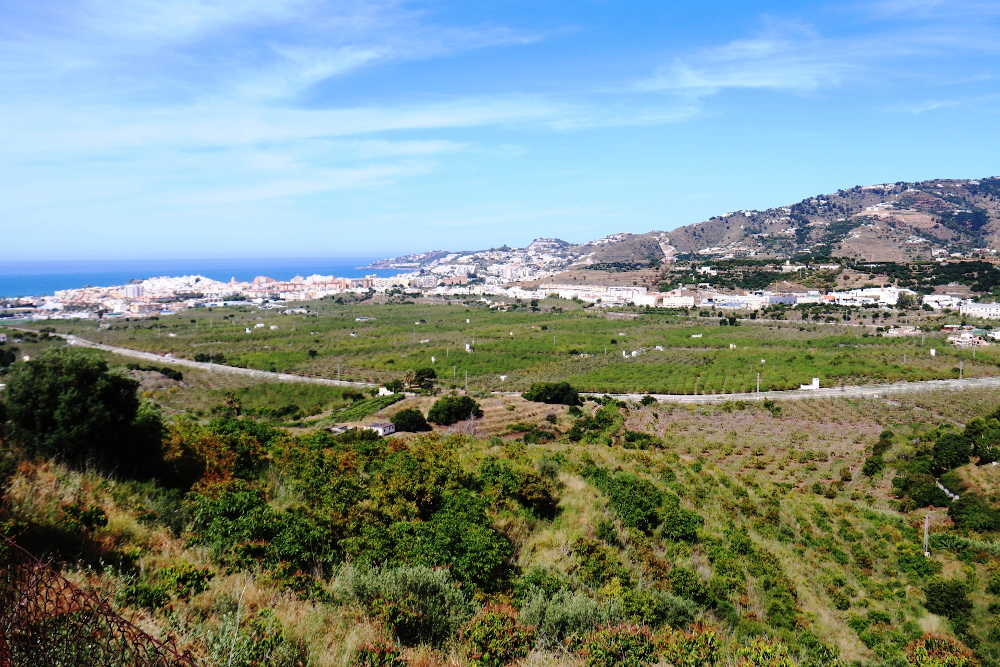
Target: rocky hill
(886,222)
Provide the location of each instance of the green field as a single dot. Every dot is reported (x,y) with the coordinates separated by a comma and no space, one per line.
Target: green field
(579,345)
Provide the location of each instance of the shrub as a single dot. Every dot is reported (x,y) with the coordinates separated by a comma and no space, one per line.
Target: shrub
(143,596)
(647,400)
(618,646)
(951,451)
(636,501)
(66,403)
(698,648)
(561,614)
(378,655)
(687,584)
(678,523)
(934,651)
(254,640)
(974,513)
(185,580)
(873,465)
(495,638)
(453,409)
(395,386)
(762,653)
(947,597)
(553,392)
(410,420)
(419,604)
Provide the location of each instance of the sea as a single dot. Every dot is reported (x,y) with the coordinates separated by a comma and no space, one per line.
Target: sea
(43,278)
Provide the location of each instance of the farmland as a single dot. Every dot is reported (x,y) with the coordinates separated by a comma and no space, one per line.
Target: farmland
(510,350)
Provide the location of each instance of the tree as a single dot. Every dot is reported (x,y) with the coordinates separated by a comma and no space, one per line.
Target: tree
(410,420)
(395,386)
(7,356)
(453,409)
(67,404)
(557,393)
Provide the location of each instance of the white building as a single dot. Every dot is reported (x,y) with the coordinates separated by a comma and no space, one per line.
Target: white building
(989,311)
(939,301)
(382,428)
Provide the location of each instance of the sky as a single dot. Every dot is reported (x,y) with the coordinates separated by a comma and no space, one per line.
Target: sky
(229,128)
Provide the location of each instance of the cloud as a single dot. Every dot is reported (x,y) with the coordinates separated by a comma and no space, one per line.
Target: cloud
(787,57)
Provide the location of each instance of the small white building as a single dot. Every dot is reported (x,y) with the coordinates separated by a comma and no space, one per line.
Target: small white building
(382,428)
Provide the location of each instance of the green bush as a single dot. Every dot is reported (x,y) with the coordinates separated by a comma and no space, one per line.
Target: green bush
(553,392)
(873,465)
(951,450)
(421,605)
(67,404)
(453,409)
(495,638)
(142,596)
(185,580)
(947,597)
(973,512)
(678,523)
(763,653)
(698,648)
(530,489)
(618,646)
(634,500)
(410,420)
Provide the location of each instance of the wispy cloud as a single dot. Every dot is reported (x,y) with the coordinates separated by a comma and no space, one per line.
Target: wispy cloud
(787,56)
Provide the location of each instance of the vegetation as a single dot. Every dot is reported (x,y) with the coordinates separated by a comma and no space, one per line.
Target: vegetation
(605,532)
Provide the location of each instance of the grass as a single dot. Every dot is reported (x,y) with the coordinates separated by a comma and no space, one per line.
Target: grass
(510,350)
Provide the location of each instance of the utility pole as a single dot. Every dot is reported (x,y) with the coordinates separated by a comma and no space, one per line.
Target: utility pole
(961,366)
(904,357)
(758,383)
(466,382)
(338,372)
(927,524)
(453,372)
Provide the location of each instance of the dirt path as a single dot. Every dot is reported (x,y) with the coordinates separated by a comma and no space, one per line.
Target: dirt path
(213,368)
(855,391)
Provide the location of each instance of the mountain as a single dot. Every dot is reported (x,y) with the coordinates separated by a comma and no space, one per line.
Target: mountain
(885,222)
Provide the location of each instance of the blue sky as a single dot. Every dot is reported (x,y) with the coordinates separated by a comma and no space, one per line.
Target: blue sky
(186,128)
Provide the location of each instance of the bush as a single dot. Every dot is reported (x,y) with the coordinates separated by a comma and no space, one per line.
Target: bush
(972,512)
(553,392)
(934,651)
(951,451)
(453,409)
(185,580)
(561,614)
(67,404)
(395,386)
(495,638)
(947,597)
(421,605)
(618,646)
(762,653)
(410,420)
(698,648)
(678,523)
(378,655)
(873,465)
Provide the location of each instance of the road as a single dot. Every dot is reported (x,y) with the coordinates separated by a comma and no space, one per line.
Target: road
(267,376)
(853,391)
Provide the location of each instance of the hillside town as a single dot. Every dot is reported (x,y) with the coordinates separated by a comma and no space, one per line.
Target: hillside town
(498,285)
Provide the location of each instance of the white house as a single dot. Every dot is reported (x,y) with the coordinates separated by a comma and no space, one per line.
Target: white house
(382,428)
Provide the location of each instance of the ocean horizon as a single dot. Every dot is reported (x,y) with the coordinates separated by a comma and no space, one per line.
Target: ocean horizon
(43,278)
